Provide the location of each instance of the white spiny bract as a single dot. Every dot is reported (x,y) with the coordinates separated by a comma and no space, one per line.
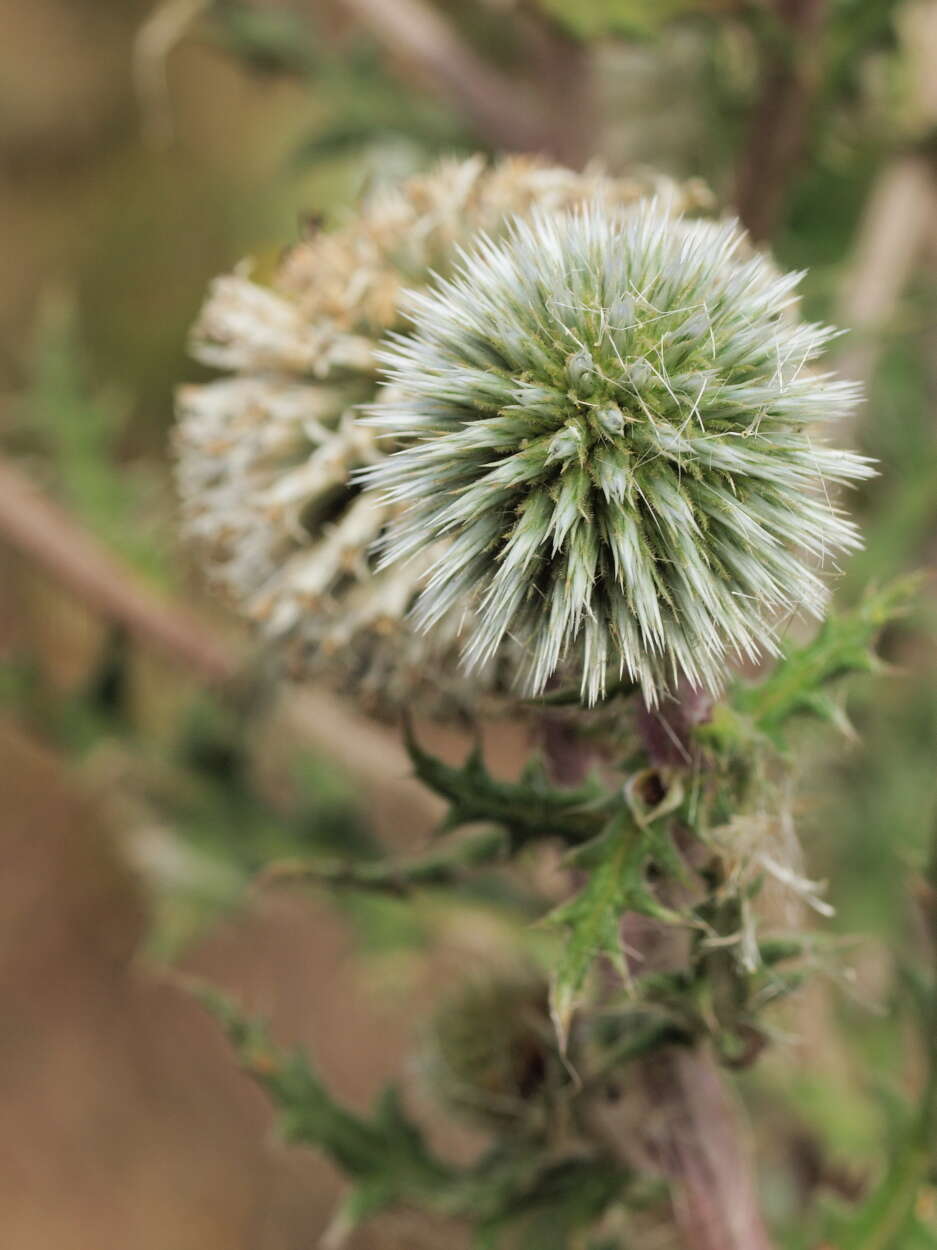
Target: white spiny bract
(608,419)
(267,451)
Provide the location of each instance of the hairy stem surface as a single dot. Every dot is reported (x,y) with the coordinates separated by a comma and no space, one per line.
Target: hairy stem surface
(692,1130)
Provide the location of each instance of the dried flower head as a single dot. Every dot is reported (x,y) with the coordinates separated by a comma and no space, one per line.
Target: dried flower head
(266,454)
(606,418)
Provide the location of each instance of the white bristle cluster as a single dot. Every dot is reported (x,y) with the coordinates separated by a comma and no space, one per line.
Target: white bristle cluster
(608,429)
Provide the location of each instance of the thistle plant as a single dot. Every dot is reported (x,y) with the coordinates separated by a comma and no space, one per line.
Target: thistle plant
(608,479)
(609,435)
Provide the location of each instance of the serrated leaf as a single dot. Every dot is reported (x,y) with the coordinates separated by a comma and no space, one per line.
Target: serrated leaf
(529,809)
(386,1156)
(548,1210)
(517,1188)
(799,683)
(397,877)
(616,885)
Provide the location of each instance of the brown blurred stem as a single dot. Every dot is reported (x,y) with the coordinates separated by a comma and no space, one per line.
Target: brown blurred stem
(423,39)
(549,117)
(790,76)
(53,541)
(695,1133)
(894,232)
(50,538)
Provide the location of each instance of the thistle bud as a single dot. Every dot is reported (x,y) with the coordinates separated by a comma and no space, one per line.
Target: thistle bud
(493,1055)
(658,547)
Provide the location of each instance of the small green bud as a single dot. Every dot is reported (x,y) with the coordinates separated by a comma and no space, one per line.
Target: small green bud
(567,444)
(581,371)
(493,1054)
(611,419)
(621,313)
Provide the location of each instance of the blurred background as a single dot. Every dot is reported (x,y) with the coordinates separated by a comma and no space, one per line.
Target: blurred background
(147,769)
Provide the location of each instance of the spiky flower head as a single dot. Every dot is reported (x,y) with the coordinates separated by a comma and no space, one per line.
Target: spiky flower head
(607,418)
(266,453)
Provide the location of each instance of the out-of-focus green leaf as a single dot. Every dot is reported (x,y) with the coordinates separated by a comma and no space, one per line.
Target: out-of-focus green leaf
(590,19)
(270,40)
(77,427)
(530,1193)
(385,1155)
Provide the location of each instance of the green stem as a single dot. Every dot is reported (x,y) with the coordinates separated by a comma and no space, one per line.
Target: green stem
(396,877)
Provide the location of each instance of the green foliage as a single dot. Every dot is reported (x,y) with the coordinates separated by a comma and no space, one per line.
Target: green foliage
(545,1206)
(78,428)
(385,1155)
(591,19)
(398,877)
(535,1197)
(616,884)
(890,1218)
(618,837)
(800,683)
(268,40)
(365,106)
(529,809)
(843,646)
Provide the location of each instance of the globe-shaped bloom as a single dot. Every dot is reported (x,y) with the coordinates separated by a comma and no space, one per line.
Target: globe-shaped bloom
(267,452)
(609,421)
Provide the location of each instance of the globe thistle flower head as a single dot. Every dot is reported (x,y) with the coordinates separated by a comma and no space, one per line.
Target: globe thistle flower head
(607,420)
(266,452)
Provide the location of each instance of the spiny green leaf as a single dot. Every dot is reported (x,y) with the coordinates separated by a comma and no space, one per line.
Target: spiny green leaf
(528,809)
(439,867)
(385,1156)
(799,684)
(546,1210)
(592,918)
(515,1188)
(843,646)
